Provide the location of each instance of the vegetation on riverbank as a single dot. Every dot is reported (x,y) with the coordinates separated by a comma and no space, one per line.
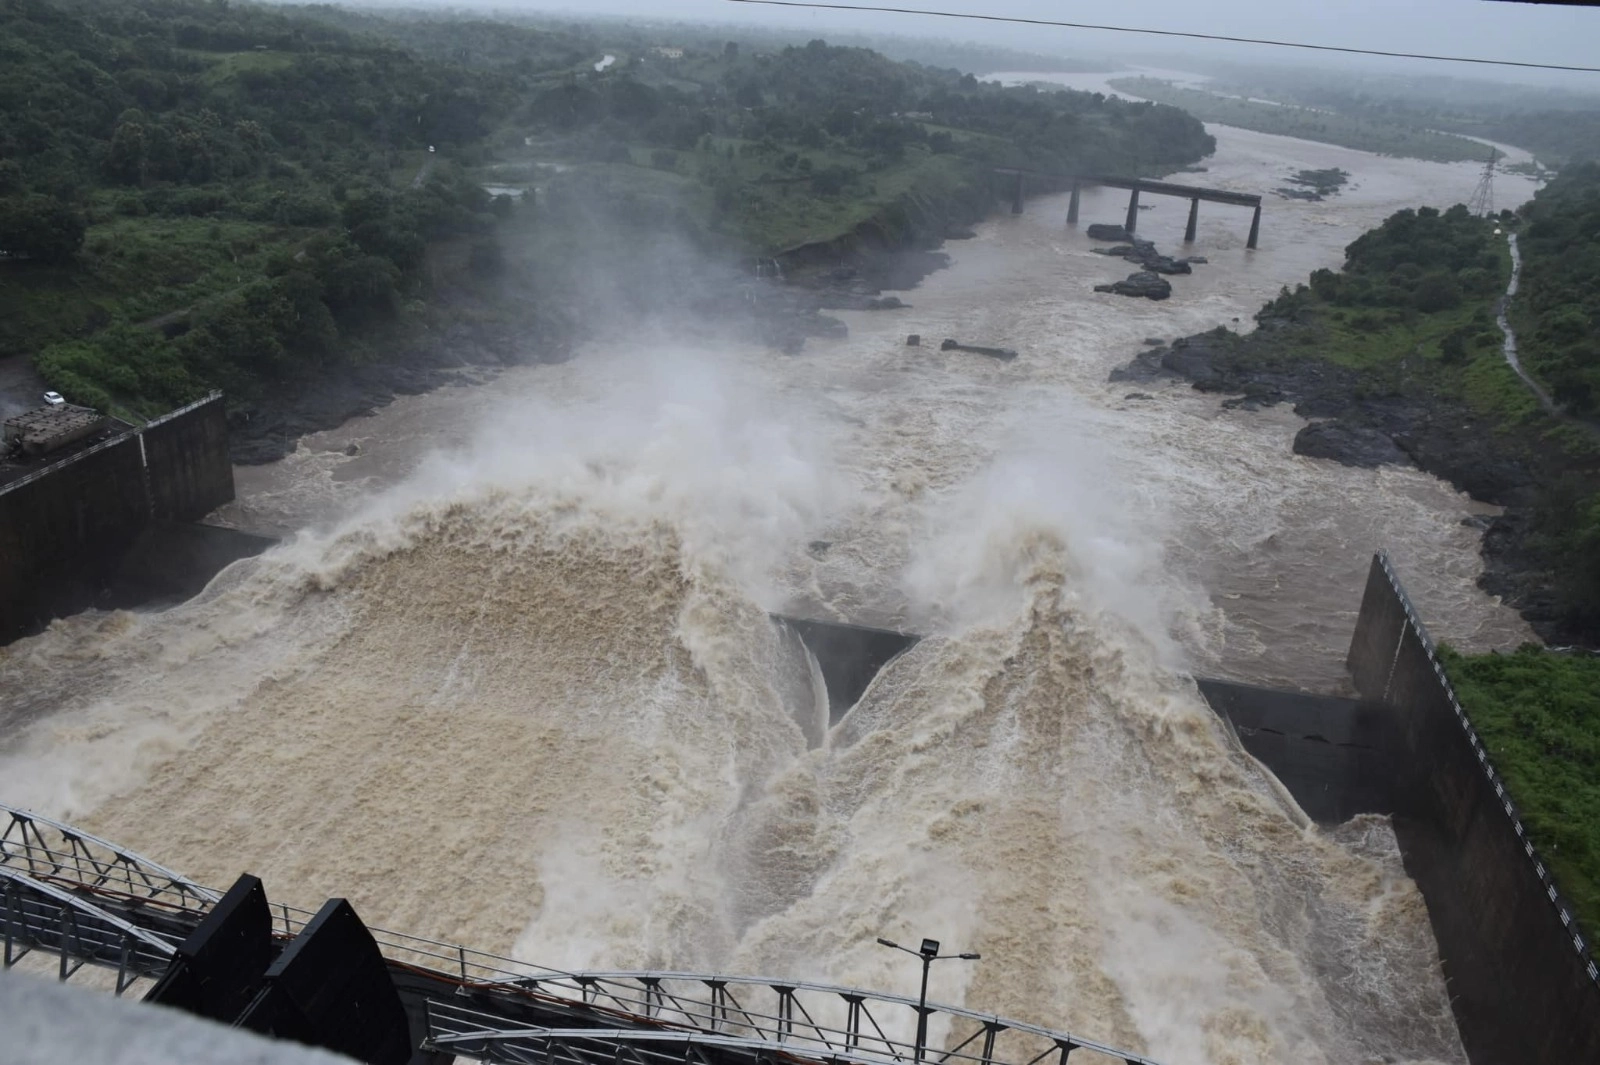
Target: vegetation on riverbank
(1558,125)
(1364,132)
(1402,348)
(198,194)
(1539,717)
(1413,308)
(1557,313)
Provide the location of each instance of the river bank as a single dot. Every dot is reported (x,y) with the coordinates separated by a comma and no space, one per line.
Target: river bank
(779,303)
(1351,424)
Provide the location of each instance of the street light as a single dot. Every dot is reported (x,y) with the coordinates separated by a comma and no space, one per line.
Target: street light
(929,953)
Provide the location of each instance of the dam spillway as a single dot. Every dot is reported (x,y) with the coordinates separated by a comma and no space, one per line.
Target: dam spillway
(1524,983)
(560,625)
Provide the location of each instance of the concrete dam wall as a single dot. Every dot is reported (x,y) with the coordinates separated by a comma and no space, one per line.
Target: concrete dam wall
(1525,987)
(66,529)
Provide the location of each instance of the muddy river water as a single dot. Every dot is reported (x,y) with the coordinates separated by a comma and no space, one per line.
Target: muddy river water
(509,680)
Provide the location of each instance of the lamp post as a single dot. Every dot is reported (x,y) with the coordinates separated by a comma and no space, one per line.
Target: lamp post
(929,953)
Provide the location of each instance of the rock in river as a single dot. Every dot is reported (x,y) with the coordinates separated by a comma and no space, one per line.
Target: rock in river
(1101,231)
(1144,283)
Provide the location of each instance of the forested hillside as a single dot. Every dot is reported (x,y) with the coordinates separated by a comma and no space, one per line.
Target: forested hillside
(1558,313)
(197,193)
(1559,126)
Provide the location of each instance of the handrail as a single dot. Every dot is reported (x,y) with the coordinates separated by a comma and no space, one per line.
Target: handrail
(799,1027)
(1562,909)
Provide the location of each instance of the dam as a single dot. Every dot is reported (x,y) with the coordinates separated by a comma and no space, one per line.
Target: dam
(529,699)
(115,523)
(1522,981)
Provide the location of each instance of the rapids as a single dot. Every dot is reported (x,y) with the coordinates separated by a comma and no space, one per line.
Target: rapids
(512,682)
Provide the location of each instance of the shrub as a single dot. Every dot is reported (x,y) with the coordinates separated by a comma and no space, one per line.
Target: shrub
(1436,292)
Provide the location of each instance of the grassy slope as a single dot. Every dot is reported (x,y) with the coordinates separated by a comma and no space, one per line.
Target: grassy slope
(1328,127)
(1538,714)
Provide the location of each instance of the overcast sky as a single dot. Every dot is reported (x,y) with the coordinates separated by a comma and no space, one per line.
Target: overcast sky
(1486,28)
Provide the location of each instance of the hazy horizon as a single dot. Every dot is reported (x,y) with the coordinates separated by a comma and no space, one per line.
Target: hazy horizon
(1489,29)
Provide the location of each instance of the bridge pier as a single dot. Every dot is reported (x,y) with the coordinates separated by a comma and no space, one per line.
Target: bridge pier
(1072,206)
(1194,221)
(1133,211)
(1255,228)
(1016,195)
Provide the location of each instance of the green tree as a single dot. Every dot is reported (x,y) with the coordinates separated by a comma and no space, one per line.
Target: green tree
(40,228)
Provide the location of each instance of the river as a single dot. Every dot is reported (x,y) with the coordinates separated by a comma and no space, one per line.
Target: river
(513,683)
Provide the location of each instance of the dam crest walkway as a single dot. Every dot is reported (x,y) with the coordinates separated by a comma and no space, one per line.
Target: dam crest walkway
(72,900)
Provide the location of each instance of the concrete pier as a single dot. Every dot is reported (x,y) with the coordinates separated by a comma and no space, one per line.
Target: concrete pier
(1133,211)
(1255,228)
(1072,205)
(1194,220)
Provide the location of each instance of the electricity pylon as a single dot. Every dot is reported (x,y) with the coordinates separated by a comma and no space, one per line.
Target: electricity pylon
(1482,202)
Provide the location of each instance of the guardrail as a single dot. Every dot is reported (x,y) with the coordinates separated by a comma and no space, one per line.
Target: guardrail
(108,906)
(1560,906)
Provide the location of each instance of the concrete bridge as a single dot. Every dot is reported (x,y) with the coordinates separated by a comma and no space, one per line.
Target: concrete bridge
(1193,193)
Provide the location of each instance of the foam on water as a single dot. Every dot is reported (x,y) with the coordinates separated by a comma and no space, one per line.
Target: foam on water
(525,694)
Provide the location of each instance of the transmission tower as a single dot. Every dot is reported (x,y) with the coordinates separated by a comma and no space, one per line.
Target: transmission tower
(1482,202)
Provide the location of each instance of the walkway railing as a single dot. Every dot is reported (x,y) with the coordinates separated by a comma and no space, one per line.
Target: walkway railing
(66,892)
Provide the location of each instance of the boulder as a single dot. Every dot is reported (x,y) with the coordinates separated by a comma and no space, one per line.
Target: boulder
(1352,445)
(1101,231)
(1144,283)
(1143,253)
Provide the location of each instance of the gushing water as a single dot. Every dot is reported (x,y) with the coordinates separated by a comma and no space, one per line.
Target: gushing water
(523,692)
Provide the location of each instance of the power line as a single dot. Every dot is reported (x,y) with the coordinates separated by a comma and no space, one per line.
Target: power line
(1165,33)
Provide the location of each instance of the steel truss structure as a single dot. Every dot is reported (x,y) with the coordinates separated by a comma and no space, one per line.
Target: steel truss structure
(68,893)
(88,901)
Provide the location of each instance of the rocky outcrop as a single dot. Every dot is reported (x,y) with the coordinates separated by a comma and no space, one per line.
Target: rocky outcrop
(1143,253)
(1144,283)
(1353,445)
(1358,424)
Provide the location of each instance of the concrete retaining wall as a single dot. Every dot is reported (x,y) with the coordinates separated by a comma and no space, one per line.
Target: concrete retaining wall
(63,532)
(186,458)
(65,529)
(1335,756)
(1525,988)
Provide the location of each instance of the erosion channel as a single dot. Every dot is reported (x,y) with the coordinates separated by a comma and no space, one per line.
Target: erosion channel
(511,679)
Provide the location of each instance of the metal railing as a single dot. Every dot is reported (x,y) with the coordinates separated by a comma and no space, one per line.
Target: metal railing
(1558,902)
(40,916)
(129,913)
(51,851)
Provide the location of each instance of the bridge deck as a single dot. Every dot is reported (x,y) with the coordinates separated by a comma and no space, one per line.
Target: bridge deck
(1160,188)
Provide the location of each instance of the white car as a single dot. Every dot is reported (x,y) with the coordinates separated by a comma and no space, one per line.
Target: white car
(55,399)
